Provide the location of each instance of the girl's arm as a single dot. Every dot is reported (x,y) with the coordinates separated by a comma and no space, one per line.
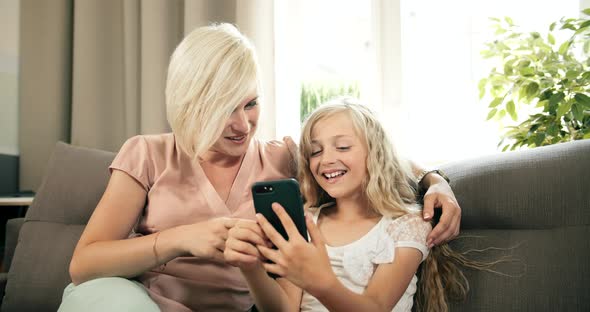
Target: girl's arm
(273,295)
(241,251)
(104,249)
(388,284)
(307,265)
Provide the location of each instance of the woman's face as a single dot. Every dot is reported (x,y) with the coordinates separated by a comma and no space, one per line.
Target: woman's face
(338,157)
(239,129)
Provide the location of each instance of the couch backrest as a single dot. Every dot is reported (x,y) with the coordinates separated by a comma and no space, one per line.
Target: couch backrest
(537,201)
(74,181)
(540,188)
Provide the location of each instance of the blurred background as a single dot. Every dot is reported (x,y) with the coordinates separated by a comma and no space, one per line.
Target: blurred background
(92,72)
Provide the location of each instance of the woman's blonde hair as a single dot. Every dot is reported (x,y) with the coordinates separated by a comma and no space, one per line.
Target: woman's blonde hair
(390,188)
(211,72)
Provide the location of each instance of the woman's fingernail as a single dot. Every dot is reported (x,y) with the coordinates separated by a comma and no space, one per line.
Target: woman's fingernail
(426,216)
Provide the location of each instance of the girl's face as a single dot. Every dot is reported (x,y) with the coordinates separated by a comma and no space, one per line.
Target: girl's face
(239,129)
(338,159)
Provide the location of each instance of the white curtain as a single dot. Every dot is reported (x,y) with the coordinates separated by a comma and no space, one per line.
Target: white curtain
(93,72)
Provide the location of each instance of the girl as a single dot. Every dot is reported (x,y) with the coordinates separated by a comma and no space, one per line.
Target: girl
(367,238)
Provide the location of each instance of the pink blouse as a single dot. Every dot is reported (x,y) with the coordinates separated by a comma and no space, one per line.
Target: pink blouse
(179,192)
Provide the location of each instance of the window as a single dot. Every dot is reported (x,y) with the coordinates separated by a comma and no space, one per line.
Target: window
(442,66)
(417,64)
(321,46)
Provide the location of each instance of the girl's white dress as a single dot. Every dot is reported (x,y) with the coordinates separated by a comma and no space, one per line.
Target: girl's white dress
(355,263)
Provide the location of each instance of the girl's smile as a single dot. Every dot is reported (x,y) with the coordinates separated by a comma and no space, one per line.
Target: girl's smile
(333,176)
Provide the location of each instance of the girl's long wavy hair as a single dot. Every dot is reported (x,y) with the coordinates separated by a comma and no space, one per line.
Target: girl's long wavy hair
(390,189)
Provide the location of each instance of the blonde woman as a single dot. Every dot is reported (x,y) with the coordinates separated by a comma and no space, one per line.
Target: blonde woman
(367,236)
(156,239)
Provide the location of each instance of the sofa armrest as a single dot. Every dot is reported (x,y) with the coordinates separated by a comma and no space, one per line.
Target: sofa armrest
(13,227)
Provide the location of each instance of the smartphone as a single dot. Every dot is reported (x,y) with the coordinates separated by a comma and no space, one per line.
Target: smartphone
(285,192)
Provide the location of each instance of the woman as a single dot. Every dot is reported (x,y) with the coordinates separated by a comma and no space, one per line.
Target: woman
(171,198)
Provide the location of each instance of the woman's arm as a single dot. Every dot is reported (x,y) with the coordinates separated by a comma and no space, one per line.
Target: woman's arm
(104,249)
(439,195)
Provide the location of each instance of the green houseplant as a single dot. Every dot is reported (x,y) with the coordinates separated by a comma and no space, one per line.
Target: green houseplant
(316,93)
(547,78)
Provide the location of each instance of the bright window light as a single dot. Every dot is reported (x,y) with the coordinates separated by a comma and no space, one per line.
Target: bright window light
(440,115)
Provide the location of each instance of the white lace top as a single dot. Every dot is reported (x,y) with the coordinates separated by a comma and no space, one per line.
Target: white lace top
(355,263)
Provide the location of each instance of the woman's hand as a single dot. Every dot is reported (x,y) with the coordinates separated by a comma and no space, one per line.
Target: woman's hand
(206,240)
(240,246)
(440,195)
(306,265)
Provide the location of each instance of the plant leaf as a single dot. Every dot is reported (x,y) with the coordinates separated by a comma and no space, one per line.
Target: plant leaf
(564,47)
(554,101)
(532,89)
(564,108)
(568,26)
(550,38)
(482,87)
(578,111)
(511,109)
(495,102)
(527,71)
(587,136)
(572,74)
(491,114)
(542,103)
(539,138)
(583,99)
(500,31)
(586,11)
(552,129)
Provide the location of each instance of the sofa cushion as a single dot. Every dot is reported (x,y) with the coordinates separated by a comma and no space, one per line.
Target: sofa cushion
(74,181)
(39,272)
(549,272)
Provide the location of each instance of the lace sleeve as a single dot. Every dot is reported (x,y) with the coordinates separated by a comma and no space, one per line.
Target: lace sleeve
(410,231)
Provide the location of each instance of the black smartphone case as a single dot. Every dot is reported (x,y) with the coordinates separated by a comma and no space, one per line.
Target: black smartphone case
(285,192)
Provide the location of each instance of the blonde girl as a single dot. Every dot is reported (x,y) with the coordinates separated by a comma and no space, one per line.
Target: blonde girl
(367,237)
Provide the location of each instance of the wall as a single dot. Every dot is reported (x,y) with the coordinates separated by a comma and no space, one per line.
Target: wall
(9,21)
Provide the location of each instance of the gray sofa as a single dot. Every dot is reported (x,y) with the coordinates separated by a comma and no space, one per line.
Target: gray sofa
(537,201)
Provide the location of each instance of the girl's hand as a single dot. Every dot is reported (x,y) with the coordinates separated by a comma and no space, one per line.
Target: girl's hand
(240,246)
(206,240)
(306,265)
(440,194)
